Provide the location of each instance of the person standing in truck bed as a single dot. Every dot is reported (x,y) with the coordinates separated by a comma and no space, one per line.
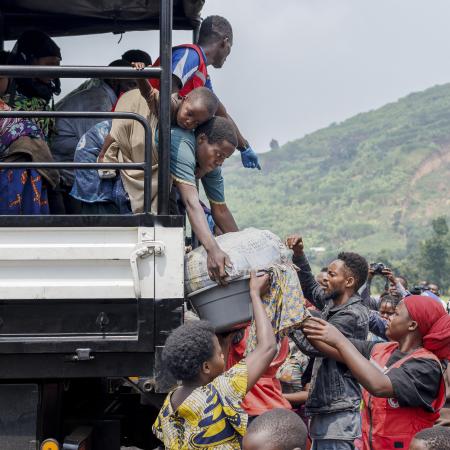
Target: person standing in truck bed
(190,70)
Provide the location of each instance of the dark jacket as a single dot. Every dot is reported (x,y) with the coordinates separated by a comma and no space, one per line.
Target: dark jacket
(333,387)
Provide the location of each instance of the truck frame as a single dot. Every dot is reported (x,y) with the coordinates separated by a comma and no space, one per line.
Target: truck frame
(86,302)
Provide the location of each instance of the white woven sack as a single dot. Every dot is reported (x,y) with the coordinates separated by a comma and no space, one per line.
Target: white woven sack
(249,249)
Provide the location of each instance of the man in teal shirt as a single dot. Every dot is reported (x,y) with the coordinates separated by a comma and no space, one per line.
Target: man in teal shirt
(200,156)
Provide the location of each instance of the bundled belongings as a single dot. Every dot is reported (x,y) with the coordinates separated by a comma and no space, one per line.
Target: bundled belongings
(229,307)
(284,303)
(24,191)
(249,249)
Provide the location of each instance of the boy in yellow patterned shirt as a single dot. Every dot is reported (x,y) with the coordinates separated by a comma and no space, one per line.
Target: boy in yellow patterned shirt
(205,412)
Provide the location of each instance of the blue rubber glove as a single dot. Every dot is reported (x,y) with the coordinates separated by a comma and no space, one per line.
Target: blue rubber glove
(250,159)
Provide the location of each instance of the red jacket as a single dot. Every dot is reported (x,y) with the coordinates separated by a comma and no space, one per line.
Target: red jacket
(198,79)
(387,425)
(266,394)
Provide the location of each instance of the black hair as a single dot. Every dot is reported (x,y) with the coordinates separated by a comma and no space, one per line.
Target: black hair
(33,44)
(136,55)
(436,438)
(388,298)
(282,428)
(208,98)
(119,63)
(187,348)
(218,129)
(213,29)
(357,265)
(392,295)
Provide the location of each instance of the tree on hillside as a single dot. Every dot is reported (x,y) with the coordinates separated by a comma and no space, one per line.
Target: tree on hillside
(274,145)
(434,258)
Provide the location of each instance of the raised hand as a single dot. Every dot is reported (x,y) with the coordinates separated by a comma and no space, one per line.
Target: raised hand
(295,243)
(259,284)
(217,261)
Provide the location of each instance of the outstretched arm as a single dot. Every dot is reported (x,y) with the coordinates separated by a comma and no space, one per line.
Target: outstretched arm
(297,398)
(369,301)
(146,90)
(221,111)
(106,144)
(369,376)
(223,218)
(313,348)
(150,95)
(259,359)
(217,258)
(312,290)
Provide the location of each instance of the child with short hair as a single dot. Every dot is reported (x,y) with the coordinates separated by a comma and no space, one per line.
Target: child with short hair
(436,438)
(188,112)
(204,411)
(387,306)
(278,429)
(126,140)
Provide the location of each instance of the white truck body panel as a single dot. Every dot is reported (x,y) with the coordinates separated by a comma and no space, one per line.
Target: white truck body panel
(169,271)
(91,263)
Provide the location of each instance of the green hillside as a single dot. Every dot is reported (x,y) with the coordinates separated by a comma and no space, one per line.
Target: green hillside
(372,183)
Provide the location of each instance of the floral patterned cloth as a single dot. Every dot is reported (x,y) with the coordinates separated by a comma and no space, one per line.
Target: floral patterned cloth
(22,103)
(284,303)
(21,190)
(210,418)
(12,129)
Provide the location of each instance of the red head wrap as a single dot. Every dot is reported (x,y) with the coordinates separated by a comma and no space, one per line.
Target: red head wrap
(433,323)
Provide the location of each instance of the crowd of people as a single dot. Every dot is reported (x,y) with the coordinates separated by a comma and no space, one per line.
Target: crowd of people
(203,136)
(362,371)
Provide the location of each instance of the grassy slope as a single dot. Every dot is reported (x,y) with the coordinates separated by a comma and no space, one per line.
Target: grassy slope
(371,183)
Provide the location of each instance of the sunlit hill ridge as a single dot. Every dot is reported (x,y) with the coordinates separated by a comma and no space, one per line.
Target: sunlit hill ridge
(371,183)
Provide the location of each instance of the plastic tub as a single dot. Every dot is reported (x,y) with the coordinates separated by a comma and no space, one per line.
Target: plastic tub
(226,308)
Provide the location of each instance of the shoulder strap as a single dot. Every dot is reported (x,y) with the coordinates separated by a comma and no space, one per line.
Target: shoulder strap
(193,47)
(381,353)
(418,353)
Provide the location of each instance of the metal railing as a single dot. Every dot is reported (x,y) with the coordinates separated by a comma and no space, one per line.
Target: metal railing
(164,72)
(79,165)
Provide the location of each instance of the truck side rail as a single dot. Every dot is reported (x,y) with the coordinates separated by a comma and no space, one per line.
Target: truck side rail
(164,73)
(145,166)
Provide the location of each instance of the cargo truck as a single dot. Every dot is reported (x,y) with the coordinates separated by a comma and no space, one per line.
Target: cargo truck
(86,302)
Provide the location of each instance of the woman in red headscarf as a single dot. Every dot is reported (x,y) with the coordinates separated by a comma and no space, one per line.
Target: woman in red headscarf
(403,387)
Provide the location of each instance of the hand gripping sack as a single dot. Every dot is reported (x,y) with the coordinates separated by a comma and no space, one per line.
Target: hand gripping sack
(249,249)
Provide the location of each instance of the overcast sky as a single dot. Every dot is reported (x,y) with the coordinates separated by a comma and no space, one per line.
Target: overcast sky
(299,65)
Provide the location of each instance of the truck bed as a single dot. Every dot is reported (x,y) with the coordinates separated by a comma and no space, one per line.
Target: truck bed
(88,296)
